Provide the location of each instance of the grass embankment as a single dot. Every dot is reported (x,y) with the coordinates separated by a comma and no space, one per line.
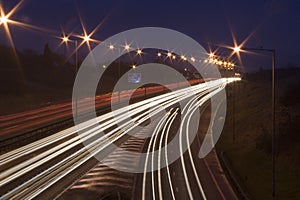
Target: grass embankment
(249,149)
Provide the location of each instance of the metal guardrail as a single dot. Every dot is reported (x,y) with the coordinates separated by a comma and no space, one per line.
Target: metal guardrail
(236,185)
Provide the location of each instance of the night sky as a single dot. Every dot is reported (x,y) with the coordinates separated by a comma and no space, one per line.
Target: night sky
(274,23)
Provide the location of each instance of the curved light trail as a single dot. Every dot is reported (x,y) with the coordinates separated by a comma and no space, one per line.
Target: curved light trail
(139,113)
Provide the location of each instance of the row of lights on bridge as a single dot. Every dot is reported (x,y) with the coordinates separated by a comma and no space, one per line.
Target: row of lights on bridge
(211,59)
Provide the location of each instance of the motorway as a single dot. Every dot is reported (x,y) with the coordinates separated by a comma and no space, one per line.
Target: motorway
(106,181)
(57,156)
(21,126)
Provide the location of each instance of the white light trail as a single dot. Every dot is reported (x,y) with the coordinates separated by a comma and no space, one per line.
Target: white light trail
(165,131)
(42,181)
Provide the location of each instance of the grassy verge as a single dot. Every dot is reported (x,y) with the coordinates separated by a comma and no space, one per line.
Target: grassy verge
(18,103)
(249,149)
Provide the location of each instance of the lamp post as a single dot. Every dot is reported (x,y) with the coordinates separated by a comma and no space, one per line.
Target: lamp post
(65,40)
(272,51)
(112,47)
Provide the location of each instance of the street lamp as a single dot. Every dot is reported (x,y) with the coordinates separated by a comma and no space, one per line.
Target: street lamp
(139,52)
(65,40)
(86,38)
(127,47)
(272,51)
(3,20)
(236,49)
(111,47)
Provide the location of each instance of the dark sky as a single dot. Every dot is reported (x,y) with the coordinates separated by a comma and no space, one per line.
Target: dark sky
(275,23)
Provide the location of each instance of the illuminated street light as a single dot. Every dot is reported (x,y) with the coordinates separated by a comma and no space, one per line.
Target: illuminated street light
(6,21)
(193,59)
(111,47)
(183,58)
(173,57)
(133,66)
(211,55)
(65,39)
(86,38)
(139,52)
(3,20)
(169,54)
(236,49)
(237,74)
(127,47)
(159,54)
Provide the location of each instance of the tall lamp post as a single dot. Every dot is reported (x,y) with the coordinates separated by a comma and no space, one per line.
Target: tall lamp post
(272,51)
(65,40)
(112,47)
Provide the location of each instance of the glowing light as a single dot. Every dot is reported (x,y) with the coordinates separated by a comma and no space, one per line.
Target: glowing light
(111,47)
(220,62)
(236,49)
(173,57)
(159,54)
(3,20)
(104,66)
(133,66)
(86,38)
(193,59)
(205,61)
(127,47)
(6,21)
(211,55)
(169,54)
(139,52)
(183,58)
(65,39)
